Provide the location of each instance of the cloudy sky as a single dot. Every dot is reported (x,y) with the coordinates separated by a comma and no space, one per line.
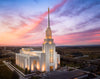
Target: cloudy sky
(73,22)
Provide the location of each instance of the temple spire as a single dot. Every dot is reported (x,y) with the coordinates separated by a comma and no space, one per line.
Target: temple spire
(48,19)
(48,30)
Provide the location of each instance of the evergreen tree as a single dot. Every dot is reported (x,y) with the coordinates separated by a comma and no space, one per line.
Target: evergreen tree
(26,71)
(29,72)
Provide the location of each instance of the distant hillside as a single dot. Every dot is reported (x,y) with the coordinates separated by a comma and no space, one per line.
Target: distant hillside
(75,49)
(62,49)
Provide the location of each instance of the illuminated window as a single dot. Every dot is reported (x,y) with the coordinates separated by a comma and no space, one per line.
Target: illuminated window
(28,50)
(51,68)
(43,51)
(55,66)
(51,55)
(49,37)
(32,67)
(28,67)
(58,61)
(50,42)
(38,66)
(34,62)
(23,49)
(44,42)
(43,67)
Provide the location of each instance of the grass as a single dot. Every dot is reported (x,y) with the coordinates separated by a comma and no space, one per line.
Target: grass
(5,72)
(22,70)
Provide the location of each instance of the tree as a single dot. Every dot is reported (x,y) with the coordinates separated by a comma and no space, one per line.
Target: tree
(12,61)
(15,75)
(29,72)
(34,77)
(26,71)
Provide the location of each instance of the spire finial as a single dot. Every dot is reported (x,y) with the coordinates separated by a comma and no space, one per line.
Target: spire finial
(48,18)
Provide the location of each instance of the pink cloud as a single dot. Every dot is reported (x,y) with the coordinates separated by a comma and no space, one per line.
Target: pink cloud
(15,36)
(80,38)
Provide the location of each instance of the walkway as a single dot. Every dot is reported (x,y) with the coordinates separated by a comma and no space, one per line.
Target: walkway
(12,68)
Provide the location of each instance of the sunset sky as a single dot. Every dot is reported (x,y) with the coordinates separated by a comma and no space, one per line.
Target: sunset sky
(73,22)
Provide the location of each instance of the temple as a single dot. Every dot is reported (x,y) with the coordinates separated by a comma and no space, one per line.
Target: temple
(45,60)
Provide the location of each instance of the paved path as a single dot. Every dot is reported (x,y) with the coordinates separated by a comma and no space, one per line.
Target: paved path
(63,74)
(21,75)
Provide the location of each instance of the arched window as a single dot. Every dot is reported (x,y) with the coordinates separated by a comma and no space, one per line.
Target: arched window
(51,55)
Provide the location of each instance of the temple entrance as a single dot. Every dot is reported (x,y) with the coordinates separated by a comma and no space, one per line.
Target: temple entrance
(51,68)
(34,64)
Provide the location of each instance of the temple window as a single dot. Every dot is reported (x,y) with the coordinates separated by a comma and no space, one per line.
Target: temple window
(51,55)
(43,51)
(50,42)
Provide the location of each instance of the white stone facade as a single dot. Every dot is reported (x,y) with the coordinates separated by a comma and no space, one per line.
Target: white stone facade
(45,60)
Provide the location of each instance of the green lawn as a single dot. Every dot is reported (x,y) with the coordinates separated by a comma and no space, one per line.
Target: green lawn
(22,70)
(5,72)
